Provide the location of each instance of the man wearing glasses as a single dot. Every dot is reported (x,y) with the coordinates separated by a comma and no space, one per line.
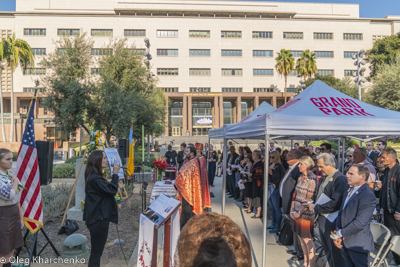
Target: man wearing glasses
(372,155)
(381,146)
(326,148)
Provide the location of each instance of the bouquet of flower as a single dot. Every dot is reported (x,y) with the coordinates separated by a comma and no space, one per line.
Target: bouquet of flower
(95,142)
(161,165)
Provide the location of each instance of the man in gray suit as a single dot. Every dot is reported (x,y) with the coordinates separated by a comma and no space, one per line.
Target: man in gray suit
(353,222)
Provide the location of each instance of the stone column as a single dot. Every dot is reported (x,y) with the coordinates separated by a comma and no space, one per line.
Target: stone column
(184,115)
(256,101)
(216,113)
(190,116)
(221,111)
(238,108)
(274,101)
(166,132)
(76,213)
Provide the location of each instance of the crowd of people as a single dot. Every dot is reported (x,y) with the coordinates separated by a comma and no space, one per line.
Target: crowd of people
(313,187)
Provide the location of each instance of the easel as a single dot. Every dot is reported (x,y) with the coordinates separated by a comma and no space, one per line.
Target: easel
(33,249)
(167,240)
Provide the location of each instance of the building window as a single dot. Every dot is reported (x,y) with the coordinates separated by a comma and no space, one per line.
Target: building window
(378,37)
(263,90)
(352,36)
(264,35)
(199,52)
(39,51)
(296,53)
(325,72)
(167,52)
(348,54)
(231,72)
(322,54)
(102,32)
(323,36)
(136,51)
(292,35)
(262,53)
(199,34)
(32,90)
(167,33)
(68,32)
(94,71)
(129,33)
(263,72)
(34,31)
(349,72)
(36,71)
(170,89)
(231,34)
(231,53)
(294,73)
(61,51)
(167,72)
(202,72)
(101,51)
(231,90)
(200,89)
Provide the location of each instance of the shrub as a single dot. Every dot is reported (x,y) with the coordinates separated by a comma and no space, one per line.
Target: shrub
(72,160)
(66,170)
(55,199)
(15,155)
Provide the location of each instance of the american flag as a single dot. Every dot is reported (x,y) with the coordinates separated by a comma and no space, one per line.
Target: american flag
(27,171)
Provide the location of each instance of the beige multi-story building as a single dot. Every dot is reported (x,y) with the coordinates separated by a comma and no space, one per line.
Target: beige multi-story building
(215,60)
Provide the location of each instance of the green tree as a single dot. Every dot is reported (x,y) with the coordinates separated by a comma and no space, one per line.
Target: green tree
(306,65)
(345,85)
(284,65)
(125,94)
(385,89)
(383,51)
(68,84)
(15,52)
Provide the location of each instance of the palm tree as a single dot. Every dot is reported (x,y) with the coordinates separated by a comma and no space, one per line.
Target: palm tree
(284,65)
(3,131)
(15,52)
(306,65)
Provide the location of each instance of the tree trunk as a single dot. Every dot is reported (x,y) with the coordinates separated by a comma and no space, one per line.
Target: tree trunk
(108,135)
(3,131)
(12,109)
(285,87)
(86,129)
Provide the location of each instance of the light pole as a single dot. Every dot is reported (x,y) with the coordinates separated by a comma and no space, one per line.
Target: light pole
(358,57)
(147,62)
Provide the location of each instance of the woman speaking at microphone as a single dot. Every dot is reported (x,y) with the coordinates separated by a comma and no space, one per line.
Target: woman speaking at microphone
(100,205)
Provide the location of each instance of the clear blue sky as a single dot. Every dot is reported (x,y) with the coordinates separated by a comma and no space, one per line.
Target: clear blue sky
(368,8)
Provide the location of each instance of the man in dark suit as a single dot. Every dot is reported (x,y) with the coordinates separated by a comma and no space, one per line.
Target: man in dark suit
(231,178)
(286,190)
(334,185)
(354,219)
(372,155)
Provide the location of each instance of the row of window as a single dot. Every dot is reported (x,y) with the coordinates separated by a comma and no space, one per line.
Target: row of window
(201,52)
(202,72)
(198,34)
(223,89)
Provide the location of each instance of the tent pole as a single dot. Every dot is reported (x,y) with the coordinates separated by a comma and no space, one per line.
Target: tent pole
(265,206)
(343,142)
(338,152)
(225,157)
(291,144)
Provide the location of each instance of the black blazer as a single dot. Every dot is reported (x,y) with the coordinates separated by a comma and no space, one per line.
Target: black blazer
(180,158)
(335,190)
(354,220)
(99,200)
(288,188)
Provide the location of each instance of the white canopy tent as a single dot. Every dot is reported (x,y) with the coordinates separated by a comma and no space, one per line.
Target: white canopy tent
(319,112)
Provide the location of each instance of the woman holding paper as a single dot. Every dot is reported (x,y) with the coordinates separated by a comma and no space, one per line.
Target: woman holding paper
(246,180)
(257,175)
(302,212)
(100,205)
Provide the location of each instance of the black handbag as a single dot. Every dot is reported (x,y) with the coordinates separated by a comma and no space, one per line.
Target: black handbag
(69,228)
(285,233)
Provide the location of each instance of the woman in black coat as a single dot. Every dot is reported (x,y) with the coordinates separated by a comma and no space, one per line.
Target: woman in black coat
(100,205)
(257,175)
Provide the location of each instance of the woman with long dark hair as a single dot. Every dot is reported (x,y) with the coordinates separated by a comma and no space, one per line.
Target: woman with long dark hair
(100,205)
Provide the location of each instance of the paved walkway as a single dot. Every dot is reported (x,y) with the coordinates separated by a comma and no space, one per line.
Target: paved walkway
(253,229)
